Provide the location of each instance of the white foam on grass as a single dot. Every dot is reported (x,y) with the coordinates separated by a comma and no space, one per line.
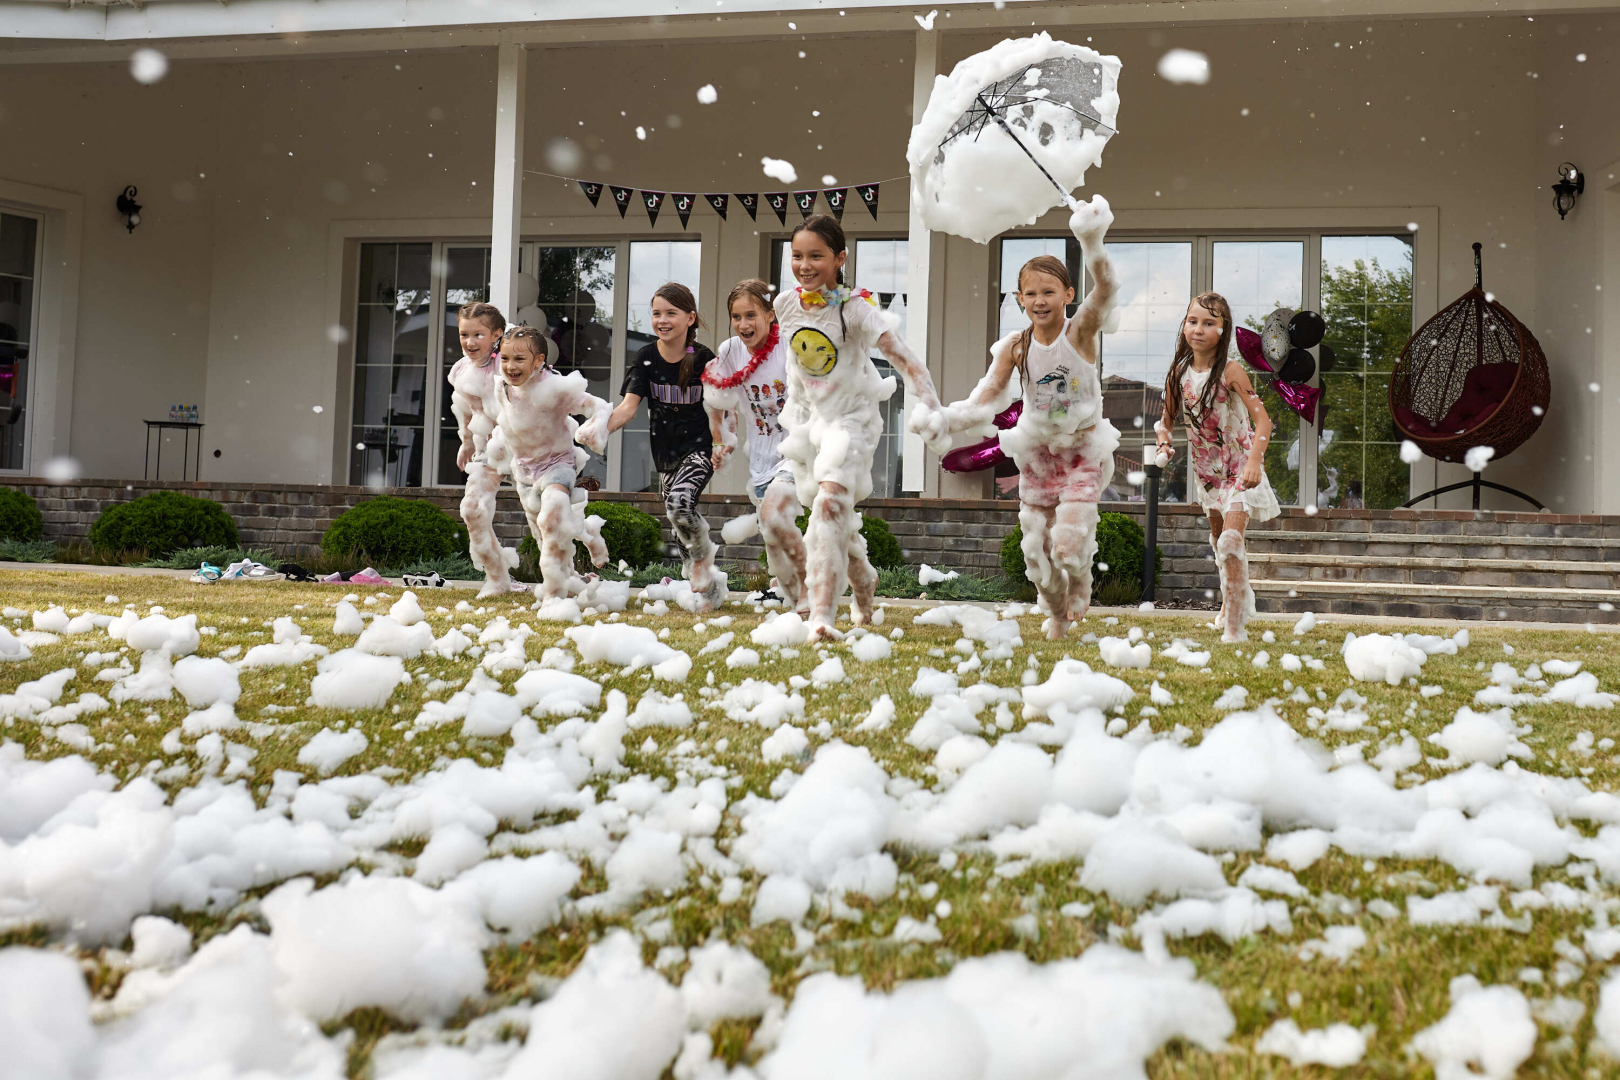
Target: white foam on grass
(1488,1032)
(328,749)
(1338,1045)
(630,648)
(351,679)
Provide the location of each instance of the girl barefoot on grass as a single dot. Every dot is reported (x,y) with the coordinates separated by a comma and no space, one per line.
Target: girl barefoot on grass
(1227,457)
(668,373)
(832,418)
(751,367)
(534,440)
(472,401)
(1062,444)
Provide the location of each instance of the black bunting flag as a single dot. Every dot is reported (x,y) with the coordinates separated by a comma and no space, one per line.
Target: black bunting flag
(719,204)
(621,197)
(806,201)
(869,196)
(749,203)
(653,200)
(592,191)
(835,200)
(778,201)
(683,205)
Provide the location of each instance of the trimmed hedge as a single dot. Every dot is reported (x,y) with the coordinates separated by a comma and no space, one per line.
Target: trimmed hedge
(630,534)
(162,523)
(19,516)
(390,532)
(882,549)
(1121,545)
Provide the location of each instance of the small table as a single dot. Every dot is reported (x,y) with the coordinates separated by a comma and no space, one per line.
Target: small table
(180,425)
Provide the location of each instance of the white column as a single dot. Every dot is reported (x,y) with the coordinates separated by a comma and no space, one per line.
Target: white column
(510,76)
(918,251)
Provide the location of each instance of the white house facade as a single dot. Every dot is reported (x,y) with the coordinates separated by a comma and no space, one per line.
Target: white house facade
(321,184)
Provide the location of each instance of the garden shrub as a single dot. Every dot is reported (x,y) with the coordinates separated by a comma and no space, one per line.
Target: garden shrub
(630,534)
(882,549)
(162,523)
(390,532)
(19,516)
(215,555)
(1121,545)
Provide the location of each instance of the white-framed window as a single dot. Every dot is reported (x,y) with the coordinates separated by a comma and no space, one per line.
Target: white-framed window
(879,265)
(1362,286)
(406,341)
(21,239)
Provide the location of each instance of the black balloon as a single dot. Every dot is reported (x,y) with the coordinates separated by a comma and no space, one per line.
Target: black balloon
(1305,329)
(1326,357)
(1298,368)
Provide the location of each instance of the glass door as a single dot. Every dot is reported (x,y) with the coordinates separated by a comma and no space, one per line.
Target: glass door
(19,272)
(652,263)
(393,339)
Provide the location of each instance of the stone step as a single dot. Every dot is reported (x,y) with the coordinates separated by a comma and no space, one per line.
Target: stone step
(1575,575)
(1459,602)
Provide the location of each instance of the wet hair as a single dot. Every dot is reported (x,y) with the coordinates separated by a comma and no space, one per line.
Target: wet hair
(682,298)
(532,334)
(827,228)
(487,312)
(1040,264)
(1216,305)
(751,289)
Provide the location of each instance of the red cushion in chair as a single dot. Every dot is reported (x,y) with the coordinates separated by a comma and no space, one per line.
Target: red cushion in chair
(1485,387)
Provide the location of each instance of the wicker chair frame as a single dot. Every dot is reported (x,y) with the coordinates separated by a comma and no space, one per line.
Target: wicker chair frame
(1472,331)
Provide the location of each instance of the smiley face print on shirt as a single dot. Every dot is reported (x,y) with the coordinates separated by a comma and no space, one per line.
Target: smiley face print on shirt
(814,351)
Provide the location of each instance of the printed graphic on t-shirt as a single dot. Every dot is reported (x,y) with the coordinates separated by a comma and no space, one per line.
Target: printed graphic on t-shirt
(814,351)
(1054,393)
(676,394)
(767,401)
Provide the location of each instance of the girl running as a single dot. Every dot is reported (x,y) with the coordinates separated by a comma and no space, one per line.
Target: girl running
(1228,459)
(534,440)
(1062,444)
(668,373)
(832,418)
(751,367)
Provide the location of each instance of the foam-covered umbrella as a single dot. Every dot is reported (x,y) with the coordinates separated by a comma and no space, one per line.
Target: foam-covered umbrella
(1010,133)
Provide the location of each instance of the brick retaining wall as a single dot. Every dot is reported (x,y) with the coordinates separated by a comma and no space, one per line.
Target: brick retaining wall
(960,534)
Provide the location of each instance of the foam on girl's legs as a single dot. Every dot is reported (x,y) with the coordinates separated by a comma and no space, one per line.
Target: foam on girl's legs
(1047,577)
(692,536)
(1074,546)
(478,514)
(1236,595)
(784,545)
(862,580)
(827,547)
(554,523)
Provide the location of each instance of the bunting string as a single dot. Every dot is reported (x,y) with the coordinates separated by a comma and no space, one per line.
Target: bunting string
(778,202)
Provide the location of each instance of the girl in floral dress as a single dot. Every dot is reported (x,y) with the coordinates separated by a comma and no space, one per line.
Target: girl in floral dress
(1218,403)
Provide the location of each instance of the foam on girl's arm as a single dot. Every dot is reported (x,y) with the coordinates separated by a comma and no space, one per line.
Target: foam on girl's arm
(593,433)
(1097,314)
(722,406)
(975,414)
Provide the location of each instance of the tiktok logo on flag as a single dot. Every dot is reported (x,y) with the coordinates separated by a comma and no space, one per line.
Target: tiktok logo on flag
(621,197)
(683,205)
(806,201)
(719,204)
(836,198)
(653,200)
(869,196)
(592,191)
(749,203)
(778,201)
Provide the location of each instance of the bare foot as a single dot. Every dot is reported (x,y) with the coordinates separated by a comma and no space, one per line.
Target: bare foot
(824,631)
(1056,627)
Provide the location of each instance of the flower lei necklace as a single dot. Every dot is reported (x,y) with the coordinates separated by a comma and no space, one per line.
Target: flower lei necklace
(756,358)
(833,295)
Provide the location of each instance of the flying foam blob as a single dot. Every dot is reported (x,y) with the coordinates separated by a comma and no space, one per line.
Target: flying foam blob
(1010,133)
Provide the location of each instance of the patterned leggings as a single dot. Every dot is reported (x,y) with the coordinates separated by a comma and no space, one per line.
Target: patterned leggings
(681,489)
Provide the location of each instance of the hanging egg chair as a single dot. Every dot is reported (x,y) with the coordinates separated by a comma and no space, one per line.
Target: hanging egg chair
(1471,376)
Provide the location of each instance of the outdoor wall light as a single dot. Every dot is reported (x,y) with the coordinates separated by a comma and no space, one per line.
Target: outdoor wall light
(1571,184)
(128,207)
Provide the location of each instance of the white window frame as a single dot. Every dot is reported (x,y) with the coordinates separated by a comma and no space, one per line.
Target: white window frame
(35,332)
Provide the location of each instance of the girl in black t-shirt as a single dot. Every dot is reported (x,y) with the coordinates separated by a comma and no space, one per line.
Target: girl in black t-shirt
(668,373)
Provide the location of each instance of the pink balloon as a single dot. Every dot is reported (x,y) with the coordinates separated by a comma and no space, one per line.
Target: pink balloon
(979,456)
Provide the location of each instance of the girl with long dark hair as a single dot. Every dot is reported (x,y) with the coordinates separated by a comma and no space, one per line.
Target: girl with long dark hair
(1227,456)
(668,373)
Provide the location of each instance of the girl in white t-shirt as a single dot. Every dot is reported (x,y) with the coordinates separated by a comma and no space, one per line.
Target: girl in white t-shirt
(1062,444)
(832,418)
(750,370)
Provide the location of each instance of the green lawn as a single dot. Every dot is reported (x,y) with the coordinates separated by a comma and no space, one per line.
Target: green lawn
(1395,985)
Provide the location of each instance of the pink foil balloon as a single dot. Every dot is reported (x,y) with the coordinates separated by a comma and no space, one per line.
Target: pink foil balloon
(987,454)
